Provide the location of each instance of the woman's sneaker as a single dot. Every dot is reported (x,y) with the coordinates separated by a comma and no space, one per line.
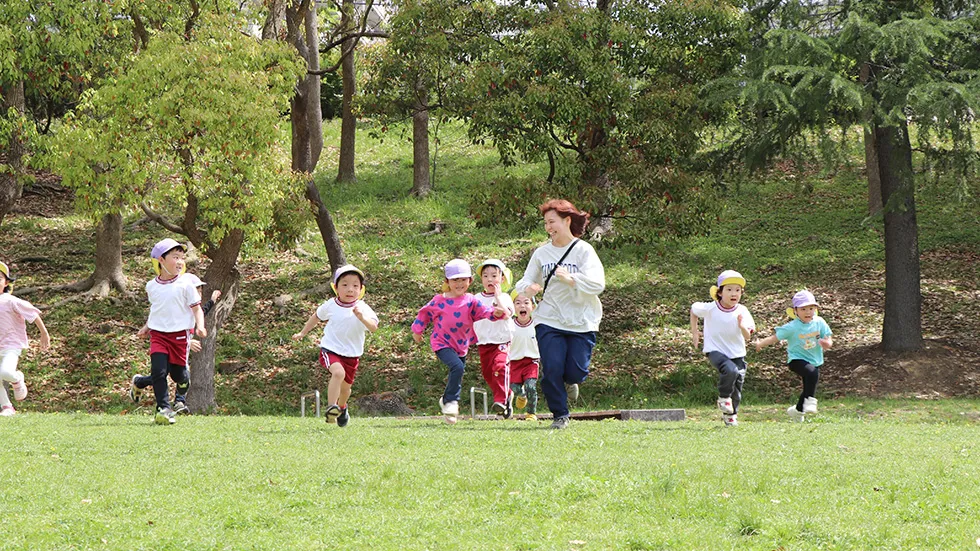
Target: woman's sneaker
(20,389)
(810,405)
(561,423)
(572,390)
(795,415)
(333,412)
(343,418)
(7,411)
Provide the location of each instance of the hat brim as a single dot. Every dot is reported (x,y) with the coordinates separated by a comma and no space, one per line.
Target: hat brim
(732,281)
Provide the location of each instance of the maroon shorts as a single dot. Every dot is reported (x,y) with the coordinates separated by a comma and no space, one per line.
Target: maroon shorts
(523,369)
(174,345)
(350,364)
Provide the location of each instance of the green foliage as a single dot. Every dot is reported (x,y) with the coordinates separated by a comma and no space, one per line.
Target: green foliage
(611,94)
(511,201)
(173,129)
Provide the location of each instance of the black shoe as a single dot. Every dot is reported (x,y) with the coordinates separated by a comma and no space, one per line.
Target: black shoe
(509,408)
(332,413)
(343,418)
(180,408)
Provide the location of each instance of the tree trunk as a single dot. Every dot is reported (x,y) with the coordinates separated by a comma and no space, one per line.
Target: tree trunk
(902,329)
(108,260)
(11,177)
(421,185)
(223,275)
(871,151)
(307,123)
(348,125)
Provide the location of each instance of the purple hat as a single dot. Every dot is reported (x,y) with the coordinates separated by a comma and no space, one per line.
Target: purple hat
(165,246)
(804,298)
(457,268)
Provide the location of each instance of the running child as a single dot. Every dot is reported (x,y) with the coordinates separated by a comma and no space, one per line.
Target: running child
(139,382)
(175,316)
(807,335)
(727,326)
(15,314)
(348,319)
(493,337)
(524,358)
(452,314)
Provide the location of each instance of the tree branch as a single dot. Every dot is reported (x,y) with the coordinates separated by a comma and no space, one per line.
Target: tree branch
(159,219)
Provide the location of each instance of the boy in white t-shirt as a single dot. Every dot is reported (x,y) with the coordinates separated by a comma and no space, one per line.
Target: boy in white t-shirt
(493,336)
(175,317)
(727,326)
(349,319)
(15,314)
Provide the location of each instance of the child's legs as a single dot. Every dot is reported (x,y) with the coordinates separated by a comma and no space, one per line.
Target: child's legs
(159,369)
(182,376)
(810,374)
(531,392)
(457,366)
(4,398)
(495,369)
(727,374)
(8,365)
(336,383)
(345,390)
(739,382)
(143,381)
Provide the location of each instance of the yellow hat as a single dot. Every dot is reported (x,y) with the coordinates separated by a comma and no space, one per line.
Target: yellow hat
(6,274)
(348,269)
(504,270)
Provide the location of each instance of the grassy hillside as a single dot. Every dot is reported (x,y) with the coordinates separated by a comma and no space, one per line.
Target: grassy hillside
(779,235)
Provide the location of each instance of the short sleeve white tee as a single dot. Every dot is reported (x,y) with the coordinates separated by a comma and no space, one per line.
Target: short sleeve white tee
(344,334)
(721,332)
(171,302)
(525,343)
(495,331)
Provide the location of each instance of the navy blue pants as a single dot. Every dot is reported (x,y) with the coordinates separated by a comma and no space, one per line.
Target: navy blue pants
(731,376)
(565,358)
(456,365)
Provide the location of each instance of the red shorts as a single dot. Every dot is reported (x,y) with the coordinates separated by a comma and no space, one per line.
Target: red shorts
(350,364)
(523,369)
(174,345)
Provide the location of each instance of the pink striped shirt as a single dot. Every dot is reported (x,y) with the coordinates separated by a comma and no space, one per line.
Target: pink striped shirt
(452,321)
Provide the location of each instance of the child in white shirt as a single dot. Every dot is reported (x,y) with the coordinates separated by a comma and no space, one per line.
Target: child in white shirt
(493,336)
(524,358)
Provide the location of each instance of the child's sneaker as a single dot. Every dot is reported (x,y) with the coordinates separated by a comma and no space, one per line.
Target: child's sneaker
(810,405)
(165,416)
(561,423)
(450,410)
(20,389)
(509,408)
(795,415)
(725,405)
(730,420)
(7,411)
(530,417)
(343,418)
(572,390)
(521,402)
(498,408)
(134,391)
(333,412)
(180,408)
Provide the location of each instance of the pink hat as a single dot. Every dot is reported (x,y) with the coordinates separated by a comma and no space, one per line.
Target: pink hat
(457,268)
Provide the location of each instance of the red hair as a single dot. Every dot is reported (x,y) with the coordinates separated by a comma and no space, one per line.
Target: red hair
(566,209)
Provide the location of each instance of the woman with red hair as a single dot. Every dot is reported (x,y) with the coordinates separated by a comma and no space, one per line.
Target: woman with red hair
(571,276)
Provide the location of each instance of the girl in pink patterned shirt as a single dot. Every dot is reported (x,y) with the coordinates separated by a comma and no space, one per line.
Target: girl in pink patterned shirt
(15,314)
(452,314)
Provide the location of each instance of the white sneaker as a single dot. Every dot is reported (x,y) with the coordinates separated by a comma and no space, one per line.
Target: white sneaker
(795,415)
(730,420)
(20,389)
(725,405)
(451,408)
(572,391)
(7,411)
(810,405)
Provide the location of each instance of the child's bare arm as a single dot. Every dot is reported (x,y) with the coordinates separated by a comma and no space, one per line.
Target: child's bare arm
(369,322)
(45,340)
(746,332)
(310,324)
(200,330)
(695,334)
(768,341)
(826,342)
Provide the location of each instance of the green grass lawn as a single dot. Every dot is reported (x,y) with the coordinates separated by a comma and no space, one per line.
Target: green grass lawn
(846,479)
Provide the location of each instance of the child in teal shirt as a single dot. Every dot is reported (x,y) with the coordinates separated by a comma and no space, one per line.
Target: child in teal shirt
(806,336)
